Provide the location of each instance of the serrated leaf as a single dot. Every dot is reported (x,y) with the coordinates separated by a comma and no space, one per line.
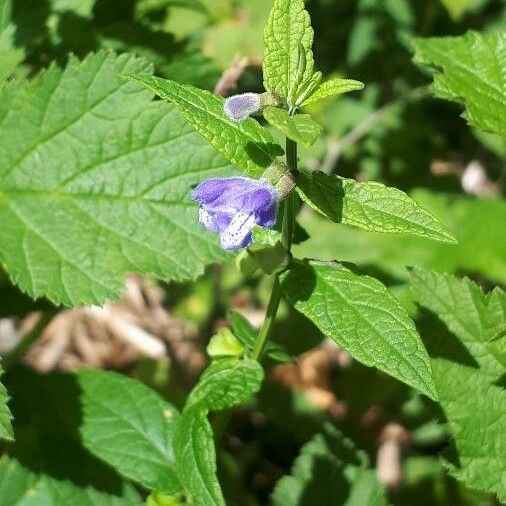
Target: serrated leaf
(332,88)
(470,69)
(466,373)
(246,144)
(329,470)
(370,206)
(95,181)
(360,314)
(20,486)
(226,383)
(288,59)
(130,427)
(196,458)
(6,431)
(300,128)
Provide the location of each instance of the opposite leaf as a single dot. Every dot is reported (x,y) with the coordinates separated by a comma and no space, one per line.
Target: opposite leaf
(131,428)
(288,59)
(332,88)
(299,128)
(95,180)
(5,414)
(470,69)
(468,374)
(362,316)
(226,383)
(246,144)
(370,206)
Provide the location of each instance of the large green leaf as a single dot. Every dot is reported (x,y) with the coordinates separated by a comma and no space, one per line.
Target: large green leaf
(21,487)
(370,206)
(95,182)
(300,128)
(224,384)
(288,59)
(363,316)
(5,414)
(130,427)
(468,374)
(474,221)
(329,470)
(470,69)
(247,144)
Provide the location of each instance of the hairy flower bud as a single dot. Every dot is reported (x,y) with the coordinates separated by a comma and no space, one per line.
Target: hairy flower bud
(240,107)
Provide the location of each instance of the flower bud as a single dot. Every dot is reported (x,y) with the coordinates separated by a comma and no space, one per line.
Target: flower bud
(240,107)
(224,344)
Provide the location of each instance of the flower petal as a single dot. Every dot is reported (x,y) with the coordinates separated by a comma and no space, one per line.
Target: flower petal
(208,220)
(239,107)
(238,233)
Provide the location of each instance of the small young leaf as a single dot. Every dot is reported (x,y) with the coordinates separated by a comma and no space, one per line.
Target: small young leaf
(130,427)
(468,374)
(223,384)
(370,206)
(300,128)
(196,459)
(226,383)
(6,431)
(364,317)
(470,69)
(332,88)
(288,60)
(341,478)
(86,192)
(19,486)
(246,144)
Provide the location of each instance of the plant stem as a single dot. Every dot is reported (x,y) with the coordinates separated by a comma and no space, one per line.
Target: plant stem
(287,237)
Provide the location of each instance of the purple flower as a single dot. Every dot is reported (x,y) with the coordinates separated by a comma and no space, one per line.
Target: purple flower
(233,206)
(239,107)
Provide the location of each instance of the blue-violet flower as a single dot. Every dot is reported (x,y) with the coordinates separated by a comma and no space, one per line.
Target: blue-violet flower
(233,206)
(239,107)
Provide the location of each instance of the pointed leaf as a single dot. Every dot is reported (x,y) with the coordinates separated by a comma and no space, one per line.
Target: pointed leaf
(288,59)
(332,88)
(300,128)
(370,206)
(246,144)
(131,428)
(362,316)
(95,180)
(470,69)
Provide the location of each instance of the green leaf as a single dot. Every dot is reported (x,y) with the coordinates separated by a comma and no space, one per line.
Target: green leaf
(130,427)
(467,372)
(6,431)
(470,69)
(288,59)
(226,383)
(95,181)
(332,88)
(370,206)
(196,459)
(474,221)
(457,8)
(10,55)
(246,144)
(21,487)
(360,314)
(329,470)
(300,128)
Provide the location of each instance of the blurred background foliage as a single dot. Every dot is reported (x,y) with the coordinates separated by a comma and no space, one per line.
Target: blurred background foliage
(394,132)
